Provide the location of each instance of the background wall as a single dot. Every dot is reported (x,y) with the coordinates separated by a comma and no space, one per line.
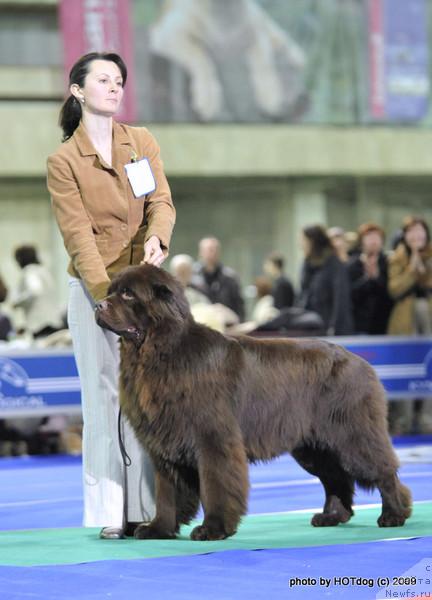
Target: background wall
(254,185)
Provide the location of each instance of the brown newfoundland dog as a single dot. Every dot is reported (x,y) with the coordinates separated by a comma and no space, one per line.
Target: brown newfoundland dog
(204,404)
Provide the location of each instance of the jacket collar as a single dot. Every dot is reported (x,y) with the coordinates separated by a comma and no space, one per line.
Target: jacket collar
(85,146)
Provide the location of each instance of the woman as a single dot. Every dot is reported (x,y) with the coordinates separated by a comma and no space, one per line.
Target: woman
(113,206)
(410,280)
(368,272)
(324,282)
(410,286)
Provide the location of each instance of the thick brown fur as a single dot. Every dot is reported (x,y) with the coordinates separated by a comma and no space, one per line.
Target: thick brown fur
(204,404)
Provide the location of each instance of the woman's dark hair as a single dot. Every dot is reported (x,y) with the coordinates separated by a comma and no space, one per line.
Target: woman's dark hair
(277,259)
(319,240)
(409,222)
(70,114)
(26,255)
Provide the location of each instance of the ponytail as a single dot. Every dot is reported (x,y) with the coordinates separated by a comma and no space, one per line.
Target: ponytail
(70,116)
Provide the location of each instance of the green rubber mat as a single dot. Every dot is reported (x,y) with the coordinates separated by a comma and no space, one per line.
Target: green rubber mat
(80,545)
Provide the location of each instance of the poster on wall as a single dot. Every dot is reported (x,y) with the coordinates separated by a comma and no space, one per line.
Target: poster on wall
(261,61)
(99,26)
(399,85)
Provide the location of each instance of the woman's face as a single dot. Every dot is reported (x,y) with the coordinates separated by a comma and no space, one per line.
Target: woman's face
(372,243)
(416,237)
(103,88)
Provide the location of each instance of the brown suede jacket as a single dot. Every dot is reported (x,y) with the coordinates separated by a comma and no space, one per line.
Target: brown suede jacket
(402,285)
(104,226)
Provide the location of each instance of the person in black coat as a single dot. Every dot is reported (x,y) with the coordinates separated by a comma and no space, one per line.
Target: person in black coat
(325,287)
(218,282)
(282,289)
(368,274)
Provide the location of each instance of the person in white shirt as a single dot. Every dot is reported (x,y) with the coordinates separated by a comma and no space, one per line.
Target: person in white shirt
(35,294)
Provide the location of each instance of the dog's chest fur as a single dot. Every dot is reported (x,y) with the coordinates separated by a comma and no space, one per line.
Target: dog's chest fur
(152,408)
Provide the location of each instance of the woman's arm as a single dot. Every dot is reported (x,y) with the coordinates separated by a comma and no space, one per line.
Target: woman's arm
(159,210)
(75,227)
(400,277)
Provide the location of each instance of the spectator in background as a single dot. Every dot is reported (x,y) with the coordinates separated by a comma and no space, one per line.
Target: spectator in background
(36,294)
(325,285)
(5,324)
(265,308)
(217,316)
(218,282)
(410,285)
(371,301)
(181,266)
(282,289)
(410,280)
(338,241)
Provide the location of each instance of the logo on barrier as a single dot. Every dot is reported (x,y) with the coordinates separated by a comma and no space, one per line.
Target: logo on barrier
(13,378)
(424,384)
(13,386)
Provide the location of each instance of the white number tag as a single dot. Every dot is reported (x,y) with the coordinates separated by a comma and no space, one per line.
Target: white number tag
(141,177)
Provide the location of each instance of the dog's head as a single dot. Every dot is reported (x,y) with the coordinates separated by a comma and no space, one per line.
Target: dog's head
(140,299)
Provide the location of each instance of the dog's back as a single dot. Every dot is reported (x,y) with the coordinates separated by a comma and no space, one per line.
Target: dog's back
(292,390)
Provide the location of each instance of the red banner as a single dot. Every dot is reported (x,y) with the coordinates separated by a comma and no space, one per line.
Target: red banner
(100,26)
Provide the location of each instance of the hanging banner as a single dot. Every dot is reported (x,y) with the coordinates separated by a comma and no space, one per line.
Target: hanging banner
(376,59)
(398,60)
(100,26)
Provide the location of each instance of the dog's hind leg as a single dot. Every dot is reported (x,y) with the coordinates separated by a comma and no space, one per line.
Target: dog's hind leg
(224,483)
(338,484)
(396,497)
(376,466)
(397,502)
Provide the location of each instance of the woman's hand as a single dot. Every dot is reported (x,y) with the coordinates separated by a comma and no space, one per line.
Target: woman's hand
(370,265)
(153,254)
(416,262)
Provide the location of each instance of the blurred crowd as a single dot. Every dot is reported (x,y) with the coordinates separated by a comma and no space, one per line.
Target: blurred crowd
(350,284)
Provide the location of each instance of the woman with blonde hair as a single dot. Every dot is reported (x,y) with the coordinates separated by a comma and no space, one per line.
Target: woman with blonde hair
(410,286)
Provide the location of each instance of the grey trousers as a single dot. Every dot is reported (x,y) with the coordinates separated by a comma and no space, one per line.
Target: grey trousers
(113,493)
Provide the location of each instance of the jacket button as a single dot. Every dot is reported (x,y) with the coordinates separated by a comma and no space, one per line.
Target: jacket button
(125,244)
(123,227)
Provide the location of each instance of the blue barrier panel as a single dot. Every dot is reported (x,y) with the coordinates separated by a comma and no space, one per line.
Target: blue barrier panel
(403,364)
(34,382)
(45,382)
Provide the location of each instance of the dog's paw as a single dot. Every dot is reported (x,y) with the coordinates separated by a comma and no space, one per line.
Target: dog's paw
(391,520)
(325,520)
(330,519)
(146,531)
(203,533)
(333,514)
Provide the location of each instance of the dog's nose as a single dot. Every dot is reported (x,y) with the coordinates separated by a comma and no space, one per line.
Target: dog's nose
(101,305)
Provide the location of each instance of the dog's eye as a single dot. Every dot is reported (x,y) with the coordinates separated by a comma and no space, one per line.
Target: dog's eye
(126,294)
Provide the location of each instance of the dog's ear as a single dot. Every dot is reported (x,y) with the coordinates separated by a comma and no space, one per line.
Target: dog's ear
(162,291)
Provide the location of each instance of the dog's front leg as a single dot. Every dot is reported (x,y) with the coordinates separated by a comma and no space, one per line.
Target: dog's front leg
(224,484)
(163,525)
